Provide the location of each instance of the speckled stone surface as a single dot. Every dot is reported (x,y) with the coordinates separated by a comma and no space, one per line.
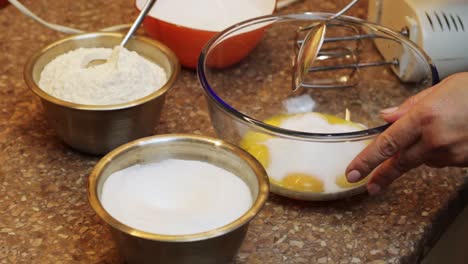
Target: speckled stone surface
(45,216)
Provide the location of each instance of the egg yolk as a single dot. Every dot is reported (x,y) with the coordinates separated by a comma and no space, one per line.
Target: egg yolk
(342,182)
(301,182)
(276,120)
(260,152)
(253,141)
(334,120)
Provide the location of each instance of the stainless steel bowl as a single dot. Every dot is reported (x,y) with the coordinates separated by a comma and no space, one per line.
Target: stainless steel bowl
(216,246)
(99,129)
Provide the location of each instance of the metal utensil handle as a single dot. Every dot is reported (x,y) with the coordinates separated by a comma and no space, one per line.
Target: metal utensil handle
(353,66)
(342,11)
(149,4)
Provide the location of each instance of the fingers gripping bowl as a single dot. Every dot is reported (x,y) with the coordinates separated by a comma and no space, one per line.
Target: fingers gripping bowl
(303,138)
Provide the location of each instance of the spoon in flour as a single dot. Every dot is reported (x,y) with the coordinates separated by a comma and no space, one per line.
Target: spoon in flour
(149,4)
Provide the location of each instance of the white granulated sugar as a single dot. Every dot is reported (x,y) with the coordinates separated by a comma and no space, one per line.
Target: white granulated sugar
(126,76)
(299,104)
(175,197)
(324,160)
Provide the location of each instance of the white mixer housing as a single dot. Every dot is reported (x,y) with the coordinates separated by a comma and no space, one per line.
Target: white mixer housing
(439,27)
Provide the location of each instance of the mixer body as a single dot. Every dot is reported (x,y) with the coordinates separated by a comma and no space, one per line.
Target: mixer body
(439,27)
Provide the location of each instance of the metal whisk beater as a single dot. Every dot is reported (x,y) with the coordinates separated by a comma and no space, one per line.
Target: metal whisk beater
(338,57)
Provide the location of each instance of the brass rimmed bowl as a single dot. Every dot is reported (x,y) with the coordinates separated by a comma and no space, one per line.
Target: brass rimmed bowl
(97,129)
(215,246)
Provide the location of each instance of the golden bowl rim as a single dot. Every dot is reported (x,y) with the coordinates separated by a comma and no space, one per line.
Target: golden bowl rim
(172,58)
(261,175)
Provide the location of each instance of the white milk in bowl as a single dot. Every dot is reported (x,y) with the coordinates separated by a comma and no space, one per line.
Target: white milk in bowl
(175,197)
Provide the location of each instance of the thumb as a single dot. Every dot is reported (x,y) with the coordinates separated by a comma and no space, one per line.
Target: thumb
(392,114)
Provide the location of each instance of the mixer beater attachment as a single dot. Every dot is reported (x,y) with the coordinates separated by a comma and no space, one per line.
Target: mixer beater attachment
(338,60)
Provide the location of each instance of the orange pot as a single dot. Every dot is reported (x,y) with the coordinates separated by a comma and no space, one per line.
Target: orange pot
(232,50)
(187,43)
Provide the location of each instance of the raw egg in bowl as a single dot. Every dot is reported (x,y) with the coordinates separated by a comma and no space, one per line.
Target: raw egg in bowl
(305,139)
(185,26)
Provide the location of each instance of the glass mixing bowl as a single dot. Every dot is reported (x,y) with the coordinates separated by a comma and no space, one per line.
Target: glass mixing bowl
(252,104)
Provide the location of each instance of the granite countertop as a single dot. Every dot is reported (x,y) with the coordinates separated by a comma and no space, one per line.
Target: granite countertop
(45,216)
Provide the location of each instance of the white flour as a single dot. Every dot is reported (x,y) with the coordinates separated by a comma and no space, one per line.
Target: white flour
(175,197)
(125,77)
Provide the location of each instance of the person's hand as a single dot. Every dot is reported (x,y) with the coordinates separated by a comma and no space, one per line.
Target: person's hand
(429,128)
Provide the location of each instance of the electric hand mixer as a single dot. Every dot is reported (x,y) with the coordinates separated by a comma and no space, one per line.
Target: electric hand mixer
(440,28)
